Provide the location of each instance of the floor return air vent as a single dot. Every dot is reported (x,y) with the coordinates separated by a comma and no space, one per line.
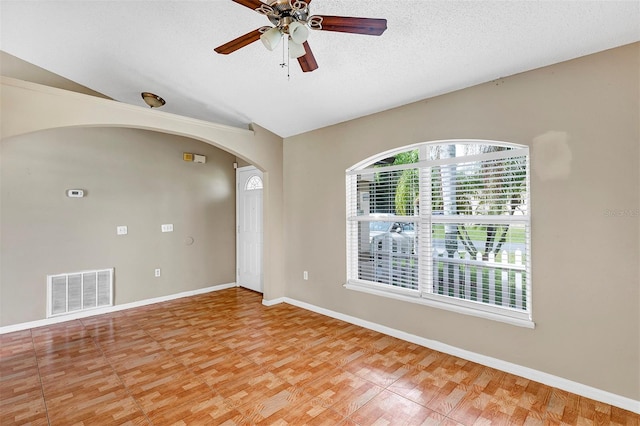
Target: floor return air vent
(79,291)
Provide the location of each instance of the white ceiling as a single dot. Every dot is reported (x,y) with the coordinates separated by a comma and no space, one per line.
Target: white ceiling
(121,48)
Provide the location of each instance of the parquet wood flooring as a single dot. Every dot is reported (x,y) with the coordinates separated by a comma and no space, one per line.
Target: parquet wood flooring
(223,358)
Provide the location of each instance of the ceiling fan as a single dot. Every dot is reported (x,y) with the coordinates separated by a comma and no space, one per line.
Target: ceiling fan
(293,20)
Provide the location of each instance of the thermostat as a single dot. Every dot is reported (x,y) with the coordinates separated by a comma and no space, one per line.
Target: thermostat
(75,193)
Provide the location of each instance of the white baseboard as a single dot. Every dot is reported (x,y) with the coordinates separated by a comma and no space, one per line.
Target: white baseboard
(273,301)
(527,373)
(108,309)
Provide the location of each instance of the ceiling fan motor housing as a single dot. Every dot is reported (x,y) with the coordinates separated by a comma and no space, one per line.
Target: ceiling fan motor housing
(281,13)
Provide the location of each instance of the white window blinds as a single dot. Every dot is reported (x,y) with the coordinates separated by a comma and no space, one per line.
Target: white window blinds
(448,222)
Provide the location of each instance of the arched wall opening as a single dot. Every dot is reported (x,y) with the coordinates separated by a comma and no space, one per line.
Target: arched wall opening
(28,109)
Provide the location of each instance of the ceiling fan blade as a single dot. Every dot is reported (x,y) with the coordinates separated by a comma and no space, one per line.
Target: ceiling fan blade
(239,42)
(307,61)
(251,4)
(346,24)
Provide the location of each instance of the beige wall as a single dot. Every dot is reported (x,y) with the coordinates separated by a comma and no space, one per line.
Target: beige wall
(586,300)
(132,177)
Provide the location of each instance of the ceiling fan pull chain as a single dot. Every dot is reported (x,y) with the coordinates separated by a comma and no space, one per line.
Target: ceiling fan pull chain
(285,53)
(284,63)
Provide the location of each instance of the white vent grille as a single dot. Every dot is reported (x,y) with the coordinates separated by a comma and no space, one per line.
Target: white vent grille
(79,291)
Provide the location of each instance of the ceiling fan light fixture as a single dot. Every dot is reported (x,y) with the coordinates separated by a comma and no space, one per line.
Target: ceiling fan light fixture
(295,50)
(271,38)
(298,32)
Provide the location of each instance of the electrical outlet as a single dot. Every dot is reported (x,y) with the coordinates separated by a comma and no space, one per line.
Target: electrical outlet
(121,230)
(305,275)
(157,272)
(167,227)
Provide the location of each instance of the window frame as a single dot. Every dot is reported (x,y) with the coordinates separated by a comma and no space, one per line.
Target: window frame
(424,294)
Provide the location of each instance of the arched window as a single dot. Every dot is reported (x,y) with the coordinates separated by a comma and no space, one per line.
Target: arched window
(253,183)
(445,224)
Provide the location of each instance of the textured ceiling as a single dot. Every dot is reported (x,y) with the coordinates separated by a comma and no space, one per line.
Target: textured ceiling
(121,48)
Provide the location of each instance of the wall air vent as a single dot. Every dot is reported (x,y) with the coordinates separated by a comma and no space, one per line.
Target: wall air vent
(79,291)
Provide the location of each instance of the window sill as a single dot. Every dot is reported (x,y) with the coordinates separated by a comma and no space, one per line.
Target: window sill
(519,322)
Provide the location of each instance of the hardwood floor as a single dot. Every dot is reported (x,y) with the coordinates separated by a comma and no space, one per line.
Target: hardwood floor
(223,358)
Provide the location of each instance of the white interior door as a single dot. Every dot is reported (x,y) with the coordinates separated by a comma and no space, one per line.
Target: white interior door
(249,228)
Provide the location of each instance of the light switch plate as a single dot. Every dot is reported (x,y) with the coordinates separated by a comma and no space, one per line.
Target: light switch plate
(75,193)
